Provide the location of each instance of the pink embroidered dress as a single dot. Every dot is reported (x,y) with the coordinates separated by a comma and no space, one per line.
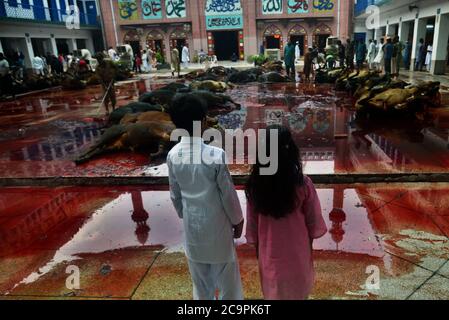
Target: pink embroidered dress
(284,246)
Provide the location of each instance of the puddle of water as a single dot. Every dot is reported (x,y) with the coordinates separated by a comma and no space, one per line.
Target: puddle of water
(110,220)
(72,222)
(55,226)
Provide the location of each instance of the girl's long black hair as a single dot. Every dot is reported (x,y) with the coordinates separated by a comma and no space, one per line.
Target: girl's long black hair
(276,195)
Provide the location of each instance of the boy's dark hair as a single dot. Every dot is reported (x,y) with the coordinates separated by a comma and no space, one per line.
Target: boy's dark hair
(187,108)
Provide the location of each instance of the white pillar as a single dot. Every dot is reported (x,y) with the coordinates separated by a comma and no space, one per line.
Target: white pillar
(90,45)
(377,34)
(440,40)
(54,47)
(387,30)
(309,40)
(72,45)
(419,32)
(1,47)
(29,48)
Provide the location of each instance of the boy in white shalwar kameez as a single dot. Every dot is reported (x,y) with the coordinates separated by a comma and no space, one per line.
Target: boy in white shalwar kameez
(204,196)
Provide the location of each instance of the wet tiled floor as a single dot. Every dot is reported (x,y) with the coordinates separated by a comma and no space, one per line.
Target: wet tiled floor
(127,243)
(41,134)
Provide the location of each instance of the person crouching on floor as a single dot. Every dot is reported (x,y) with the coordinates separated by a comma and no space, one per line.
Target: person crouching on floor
(204,196)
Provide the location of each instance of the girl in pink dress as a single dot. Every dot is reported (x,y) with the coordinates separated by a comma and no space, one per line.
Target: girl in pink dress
(283,218)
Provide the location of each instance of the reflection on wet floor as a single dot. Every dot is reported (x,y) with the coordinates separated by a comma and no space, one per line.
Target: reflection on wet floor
(42,133)
(110,230)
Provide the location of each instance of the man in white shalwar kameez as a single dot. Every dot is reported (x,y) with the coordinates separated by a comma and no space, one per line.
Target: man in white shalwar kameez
(204,196)
(371,54)
(185,57)
(38,65)
(145,65)
(297,52)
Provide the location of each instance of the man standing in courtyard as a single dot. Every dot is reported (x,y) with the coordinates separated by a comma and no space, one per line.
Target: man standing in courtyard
(308,64)
(5,77)
(107,71)
(350,54)
(341,54)
(397,56)
(420,55)
(185,57)
(289,58)
(407,54)
(388,56)
(297,52)
(371,54)
(360,54)
(175,64)
(38,65)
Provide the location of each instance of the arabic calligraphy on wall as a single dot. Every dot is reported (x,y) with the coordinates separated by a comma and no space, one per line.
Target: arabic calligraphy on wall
(272,7)
(323,5)
(223,14)
(306,6)
(224,23)
(152,9)
(128,9)
(223,7)
(175,8)
(298,6)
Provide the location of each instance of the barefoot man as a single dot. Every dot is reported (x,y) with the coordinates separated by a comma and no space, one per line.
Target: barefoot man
(106,71)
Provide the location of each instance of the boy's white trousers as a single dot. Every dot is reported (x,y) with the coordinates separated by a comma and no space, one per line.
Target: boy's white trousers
(208,278)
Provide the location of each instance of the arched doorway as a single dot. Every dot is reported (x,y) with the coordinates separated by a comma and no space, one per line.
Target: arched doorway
(132,38)
(321,33)
(299,34)
(224,26)
(178,38)
(272,38)
(155,41)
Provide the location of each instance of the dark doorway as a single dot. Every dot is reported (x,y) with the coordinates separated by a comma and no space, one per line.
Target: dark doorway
(97,39)
(81,44)
(158,46)
(301,41)
(430,29)
(62,46)
(39,47)
(273,42)
(179,44)
(226,44)
(135,45)
(321,40)
(360,36)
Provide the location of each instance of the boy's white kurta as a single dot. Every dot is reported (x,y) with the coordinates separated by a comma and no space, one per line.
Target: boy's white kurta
(204,196)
